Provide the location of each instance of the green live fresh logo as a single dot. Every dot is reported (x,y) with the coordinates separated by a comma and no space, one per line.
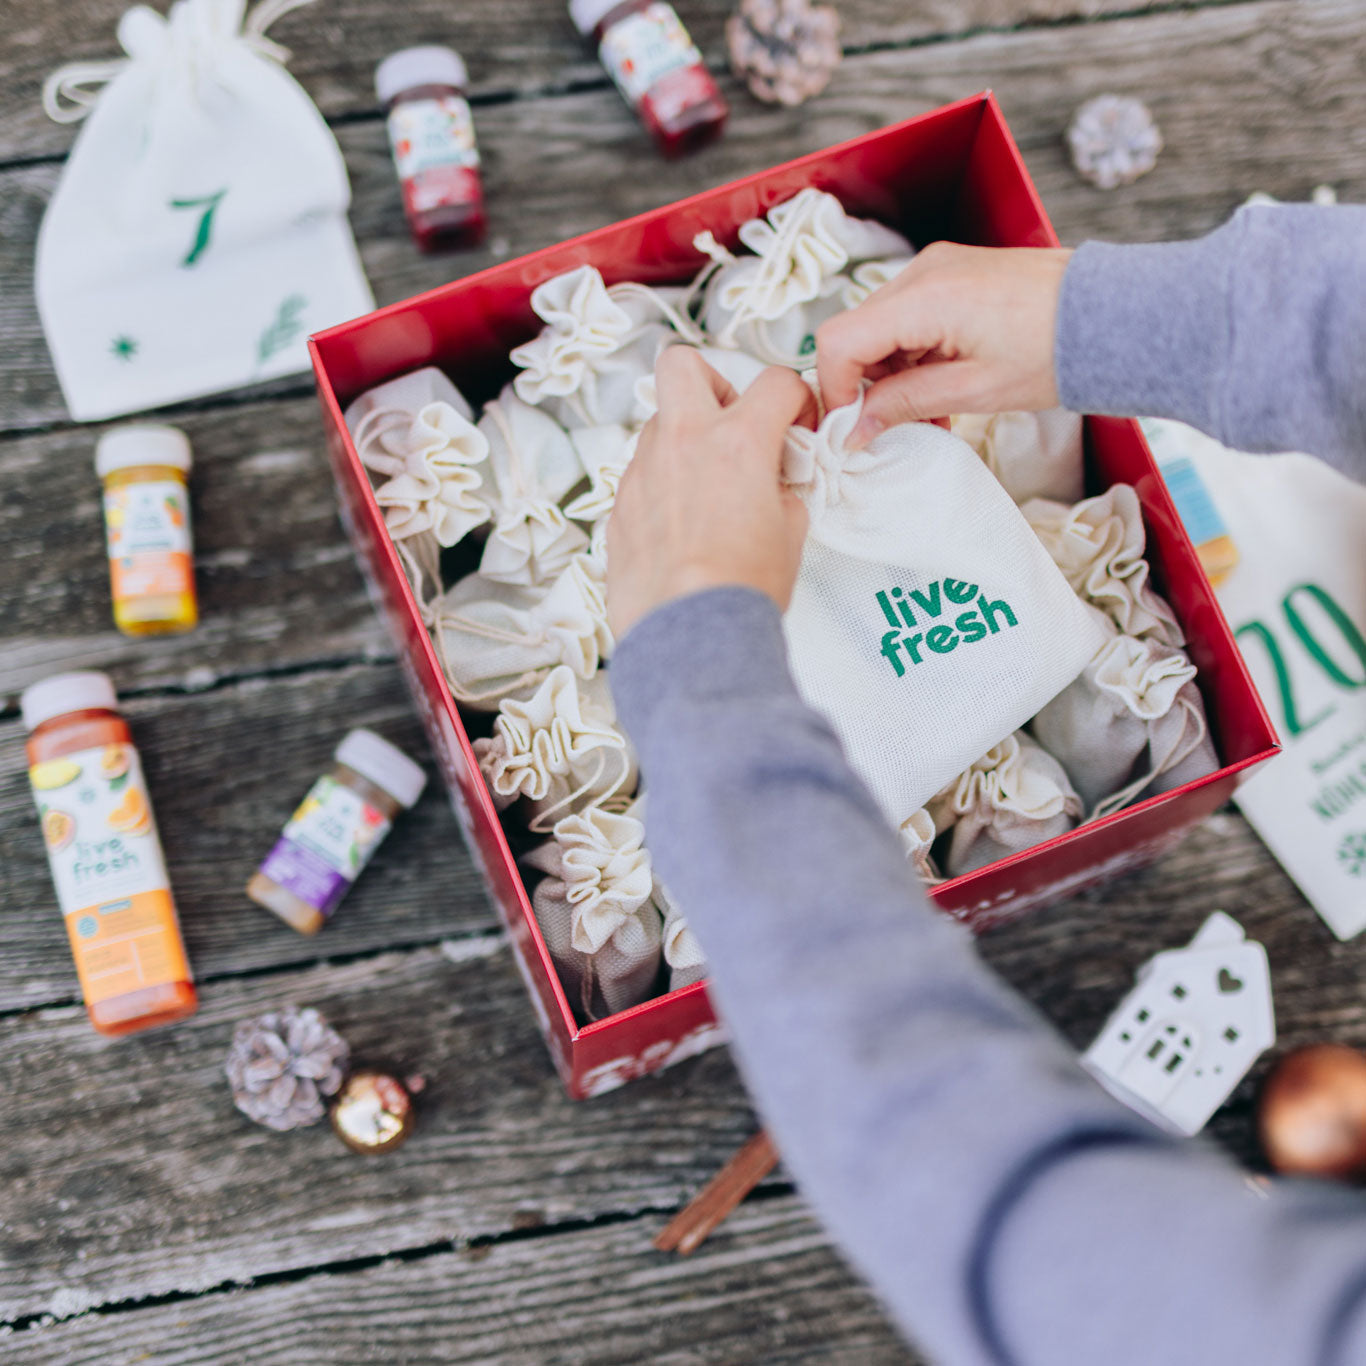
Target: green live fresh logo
(917,633)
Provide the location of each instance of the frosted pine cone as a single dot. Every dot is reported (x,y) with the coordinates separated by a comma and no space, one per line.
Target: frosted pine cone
(784,50)
(282,1064)
(1113,140)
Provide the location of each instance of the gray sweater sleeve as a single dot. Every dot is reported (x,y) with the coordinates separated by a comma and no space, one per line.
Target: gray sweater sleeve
(1004,1207)
(1255,334)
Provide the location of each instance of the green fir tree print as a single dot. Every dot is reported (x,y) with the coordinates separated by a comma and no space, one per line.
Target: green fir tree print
(124,348)
(283,328)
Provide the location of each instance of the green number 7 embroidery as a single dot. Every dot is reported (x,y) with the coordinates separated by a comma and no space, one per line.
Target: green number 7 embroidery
(208,203)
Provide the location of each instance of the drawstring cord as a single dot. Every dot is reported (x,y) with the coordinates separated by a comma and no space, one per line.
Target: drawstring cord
(69,93)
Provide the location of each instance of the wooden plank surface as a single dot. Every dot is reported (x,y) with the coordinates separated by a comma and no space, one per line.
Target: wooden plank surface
(128,1173)
(766,1283)
(515,1227)
(513,48)
(1280,106)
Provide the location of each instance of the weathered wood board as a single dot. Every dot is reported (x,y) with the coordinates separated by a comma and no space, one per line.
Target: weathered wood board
(766,1288)
(1280,106)
(142,1218)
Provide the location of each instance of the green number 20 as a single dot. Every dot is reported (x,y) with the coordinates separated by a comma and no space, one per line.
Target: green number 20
(208,204)
(1313,647)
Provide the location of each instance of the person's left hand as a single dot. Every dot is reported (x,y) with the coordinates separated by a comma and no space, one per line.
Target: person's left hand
(701,504)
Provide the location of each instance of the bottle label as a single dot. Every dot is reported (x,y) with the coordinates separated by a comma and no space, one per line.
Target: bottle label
(325,844)
(148,530)
(432,134)
(108,870)
(645,47)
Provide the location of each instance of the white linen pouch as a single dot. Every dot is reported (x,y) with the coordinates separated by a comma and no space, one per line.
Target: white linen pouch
(868,277)
(737,368)
(198,234)
(1034,455)
(595,912)
(597,341)
(1012,798)
(1131,724)
(604,452)
(532,464)
(560,751)
(1099,545)
(500,640)
(927,620)
(683,955)
(918,833)
(416,430)
(770,304)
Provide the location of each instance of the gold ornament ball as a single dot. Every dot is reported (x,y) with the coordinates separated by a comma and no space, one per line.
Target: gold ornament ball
(1312,1112)
(373,1113)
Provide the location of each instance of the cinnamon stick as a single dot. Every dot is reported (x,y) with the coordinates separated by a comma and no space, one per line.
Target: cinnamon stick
(686,1231)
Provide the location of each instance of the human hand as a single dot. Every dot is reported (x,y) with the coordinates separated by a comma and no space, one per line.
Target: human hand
(960,330)
(701,504)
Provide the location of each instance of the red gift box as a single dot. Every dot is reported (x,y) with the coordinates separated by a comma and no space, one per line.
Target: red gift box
(953,173)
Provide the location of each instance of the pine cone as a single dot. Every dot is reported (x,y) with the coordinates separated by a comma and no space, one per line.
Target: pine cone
(1113,140)
(784,50)
(282,1064)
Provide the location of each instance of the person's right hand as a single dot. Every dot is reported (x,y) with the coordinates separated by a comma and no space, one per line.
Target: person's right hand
(960,330)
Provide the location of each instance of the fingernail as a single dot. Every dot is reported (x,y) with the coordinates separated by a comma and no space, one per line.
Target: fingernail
(865,429)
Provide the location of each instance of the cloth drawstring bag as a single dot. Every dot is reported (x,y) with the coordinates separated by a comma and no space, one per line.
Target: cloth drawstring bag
(560,751)
(604,451)
(597,342)
(771,303)
(1099,545)
(868,277)
(417,432)
(1012,798)
(596,913)
(918,834)
(1034,455)
(683,954)
(499,640)
(927,620)
(532,464)
(1131,724)
(198,234)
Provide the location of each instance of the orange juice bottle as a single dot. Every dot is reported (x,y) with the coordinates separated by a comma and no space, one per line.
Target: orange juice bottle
(147,524)
(105,857)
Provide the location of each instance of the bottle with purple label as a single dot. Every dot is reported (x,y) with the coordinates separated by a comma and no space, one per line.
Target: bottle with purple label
(335,829)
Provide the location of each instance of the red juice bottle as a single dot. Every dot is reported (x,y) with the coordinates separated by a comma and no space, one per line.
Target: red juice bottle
(657,68)
(431,134)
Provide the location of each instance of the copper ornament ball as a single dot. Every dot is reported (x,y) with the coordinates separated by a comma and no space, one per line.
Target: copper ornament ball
(373,1113)
(1312,1112)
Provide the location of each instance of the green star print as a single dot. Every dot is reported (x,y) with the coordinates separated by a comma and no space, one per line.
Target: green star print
(123,348)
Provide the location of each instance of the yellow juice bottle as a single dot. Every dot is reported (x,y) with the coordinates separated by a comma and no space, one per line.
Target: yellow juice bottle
(143,467)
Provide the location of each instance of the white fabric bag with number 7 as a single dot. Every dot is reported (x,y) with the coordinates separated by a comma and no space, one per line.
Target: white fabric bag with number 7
(198,234)
(928,621)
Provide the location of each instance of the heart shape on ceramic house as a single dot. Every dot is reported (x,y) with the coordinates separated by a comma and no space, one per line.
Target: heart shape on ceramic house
(1228,983)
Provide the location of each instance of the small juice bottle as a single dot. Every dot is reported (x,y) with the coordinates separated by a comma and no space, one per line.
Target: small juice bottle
(431,135)
(657,68)
(105,857)
(335,829)
(147,524)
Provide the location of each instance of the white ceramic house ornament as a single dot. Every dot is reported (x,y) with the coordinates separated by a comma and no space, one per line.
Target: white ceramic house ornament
(1186,1035)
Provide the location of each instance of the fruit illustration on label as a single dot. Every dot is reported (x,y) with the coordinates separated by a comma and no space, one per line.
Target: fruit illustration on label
(174,512)
(114,761)
(58,829)
(53,773)
(131,816)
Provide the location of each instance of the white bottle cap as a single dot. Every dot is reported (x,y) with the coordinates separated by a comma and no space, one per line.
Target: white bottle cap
(142,443)
(383,764)
(588,14)
(62,693)
(411,66)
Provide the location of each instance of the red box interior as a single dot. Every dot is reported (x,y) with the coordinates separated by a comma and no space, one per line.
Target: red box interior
(953,173)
